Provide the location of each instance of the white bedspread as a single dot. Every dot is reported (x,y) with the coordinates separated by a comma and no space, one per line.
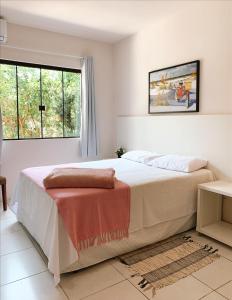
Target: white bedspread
(157,196)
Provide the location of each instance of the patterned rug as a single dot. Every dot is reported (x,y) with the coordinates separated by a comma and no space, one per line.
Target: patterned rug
(163,263)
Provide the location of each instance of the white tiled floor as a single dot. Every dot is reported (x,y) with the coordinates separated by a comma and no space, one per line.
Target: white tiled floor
(24,275)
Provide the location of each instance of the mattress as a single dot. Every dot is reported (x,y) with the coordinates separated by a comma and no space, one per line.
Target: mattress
(163,203)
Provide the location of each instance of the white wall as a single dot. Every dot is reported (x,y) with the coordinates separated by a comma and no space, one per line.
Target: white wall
(208,136)
(202,31)
(21,154)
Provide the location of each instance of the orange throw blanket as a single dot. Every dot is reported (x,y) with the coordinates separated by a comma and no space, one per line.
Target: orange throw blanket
(91,216)
(80,178)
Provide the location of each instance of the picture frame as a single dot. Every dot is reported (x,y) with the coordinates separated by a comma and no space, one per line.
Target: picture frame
(174,89)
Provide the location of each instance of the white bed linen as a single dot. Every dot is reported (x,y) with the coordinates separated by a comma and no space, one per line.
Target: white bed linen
(157,197)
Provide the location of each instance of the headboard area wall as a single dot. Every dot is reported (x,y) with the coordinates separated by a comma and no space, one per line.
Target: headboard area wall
(208,136)
(165,43)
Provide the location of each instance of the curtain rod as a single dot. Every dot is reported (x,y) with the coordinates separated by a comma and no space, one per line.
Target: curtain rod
(41,51)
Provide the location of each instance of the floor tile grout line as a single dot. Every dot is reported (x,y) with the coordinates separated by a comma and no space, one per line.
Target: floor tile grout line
(221,255)
(202,281)
(36,246)
(206,283)
(222,295)
(223,285)
(40,253)
(121,273)
(227,258)
(127,279)
(212,289)
(33,246)
(118,271)
(217,245)
(85,297)
(138,289)
(206,295)
(2,285)
(211,293)
(230,281)
(64,292)
(21,250)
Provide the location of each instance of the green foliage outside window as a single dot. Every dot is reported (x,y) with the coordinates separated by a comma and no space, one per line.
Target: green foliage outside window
(23,89)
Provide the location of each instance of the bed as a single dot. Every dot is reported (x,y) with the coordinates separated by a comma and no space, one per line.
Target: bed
(163,203)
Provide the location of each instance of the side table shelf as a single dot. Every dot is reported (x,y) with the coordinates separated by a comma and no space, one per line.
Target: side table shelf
(209,210)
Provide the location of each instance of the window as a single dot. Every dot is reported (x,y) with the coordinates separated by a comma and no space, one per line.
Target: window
(39,101)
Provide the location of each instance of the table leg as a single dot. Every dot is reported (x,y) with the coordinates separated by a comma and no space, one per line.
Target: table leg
(4,199)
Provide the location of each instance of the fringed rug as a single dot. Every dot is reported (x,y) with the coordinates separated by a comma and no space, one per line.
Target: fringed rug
(163,263)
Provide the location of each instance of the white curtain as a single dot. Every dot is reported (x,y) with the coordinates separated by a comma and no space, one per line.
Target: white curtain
(89,147)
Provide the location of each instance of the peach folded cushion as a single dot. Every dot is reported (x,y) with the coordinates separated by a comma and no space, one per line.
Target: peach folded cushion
(80,178)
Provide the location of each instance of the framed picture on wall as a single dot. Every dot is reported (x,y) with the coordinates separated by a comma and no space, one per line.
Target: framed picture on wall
(175,89)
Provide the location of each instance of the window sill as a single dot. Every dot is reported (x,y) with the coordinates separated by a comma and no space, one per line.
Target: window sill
(41,139)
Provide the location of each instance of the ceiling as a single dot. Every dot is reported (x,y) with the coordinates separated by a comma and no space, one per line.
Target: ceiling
(107,21)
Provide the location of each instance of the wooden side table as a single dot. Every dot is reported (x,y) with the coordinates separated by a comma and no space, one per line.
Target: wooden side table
(209,210)
(3,185)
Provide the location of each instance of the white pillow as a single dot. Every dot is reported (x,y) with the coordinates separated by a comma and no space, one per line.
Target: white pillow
(140,156)
(178,163)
